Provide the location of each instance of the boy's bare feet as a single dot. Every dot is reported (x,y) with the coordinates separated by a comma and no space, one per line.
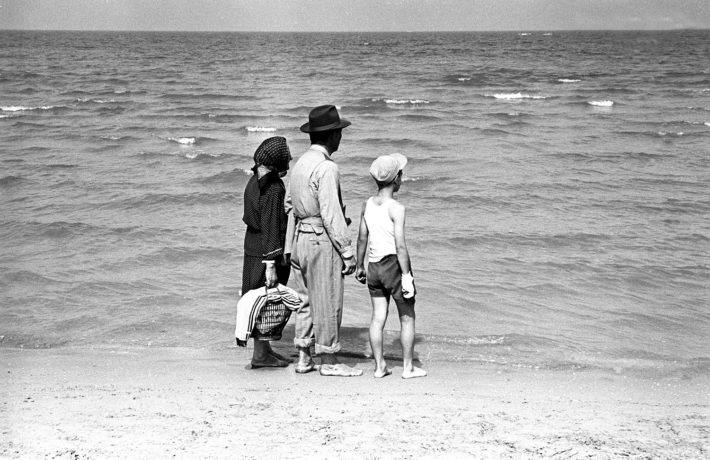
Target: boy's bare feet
(414,372)
(379,373)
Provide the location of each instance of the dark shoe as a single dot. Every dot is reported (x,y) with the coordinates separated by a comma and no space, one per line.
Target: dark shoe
(280,357)
(270,361)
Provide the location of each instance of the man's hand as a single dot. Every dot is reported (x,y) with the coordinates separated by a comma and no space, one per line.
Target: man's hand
(349,265)
(361,275)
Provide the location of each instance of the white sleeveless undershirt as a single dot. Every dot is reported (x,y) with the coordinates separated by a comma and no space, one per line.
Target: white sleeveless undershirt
(381,230)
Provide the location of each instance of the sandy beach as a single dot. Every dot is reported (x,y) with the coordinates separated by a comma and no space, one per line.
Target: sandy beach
(104,403)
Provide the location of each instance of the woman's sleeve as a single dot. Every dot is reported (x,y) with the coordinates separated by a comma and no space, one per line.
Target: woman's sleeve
(272,214)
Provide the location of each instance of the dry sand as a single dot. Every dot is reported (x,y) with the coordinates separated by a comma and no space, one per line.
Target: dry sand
(76,403)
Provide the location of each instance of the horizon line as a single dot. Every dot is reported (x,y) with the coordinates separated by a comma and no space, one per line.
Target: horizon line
(359,31)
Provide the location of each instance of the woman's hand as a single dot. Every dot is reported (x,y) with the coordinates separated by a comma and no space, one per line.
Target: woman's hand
(271,278)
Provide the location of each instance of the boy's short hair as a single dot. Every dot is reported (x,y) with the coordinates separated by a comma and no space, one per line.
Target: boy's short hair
(385,168)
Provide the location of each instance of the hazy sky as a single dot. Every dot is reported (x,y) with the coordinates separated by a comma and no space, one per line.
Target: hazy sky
(353,15)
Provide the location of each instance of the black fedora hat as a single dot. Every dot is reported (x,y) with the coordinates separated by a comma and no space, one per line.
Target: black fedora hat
(324,118)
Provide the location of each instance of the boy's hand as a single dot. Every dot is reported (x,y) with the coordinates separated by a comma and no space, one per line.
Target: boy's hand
(408,289)
(361,275)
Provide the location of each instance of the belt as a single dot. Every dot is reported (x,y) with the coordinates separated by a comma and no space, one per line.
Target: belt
(313,224)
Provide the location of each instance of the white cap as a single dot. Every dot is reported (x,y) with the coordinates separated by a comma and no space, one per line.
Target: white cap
(386,167)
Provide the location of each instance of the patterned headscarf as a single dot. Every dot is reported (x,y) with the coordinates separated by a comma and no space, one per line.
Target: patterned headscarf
(273,152)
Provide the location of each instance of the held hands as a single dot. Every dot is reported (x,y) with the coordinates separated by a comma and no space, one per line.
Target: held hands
(349,265)
(361,274)
(408,289)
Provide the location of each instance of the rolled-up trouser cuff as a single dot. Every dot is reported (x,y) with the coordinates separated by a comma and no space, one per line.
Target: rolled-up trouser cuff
(303,343)
(330,350)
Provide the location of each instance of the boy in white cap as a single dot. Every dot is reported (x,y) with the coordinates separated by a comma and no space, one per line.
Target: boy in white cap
(388,272)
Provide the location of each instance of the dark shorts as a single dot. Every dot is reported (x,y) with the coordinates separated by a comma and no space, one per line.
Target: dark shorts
(384,279)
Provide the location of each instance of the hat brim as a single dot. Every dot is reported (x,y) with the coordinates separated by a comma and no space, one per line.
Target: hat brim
(401,160)
(343,123)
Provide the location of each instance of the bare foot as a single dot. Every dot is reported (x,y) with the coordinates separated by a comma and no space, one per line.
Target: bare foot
(413,373)
(379,373)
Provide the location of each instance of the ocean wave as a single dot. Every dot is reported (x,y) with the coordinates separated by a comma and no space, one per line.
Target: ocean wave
(21,108)
(418,117)
(9,180)
(183,140)
(228,177)
(89,100)
(603,103)
(184,153)
(517,96)
(394,101)
(199,154)
(150,200)
(260,129)
(114,137)
(190,140)
(205,96)
(670,134)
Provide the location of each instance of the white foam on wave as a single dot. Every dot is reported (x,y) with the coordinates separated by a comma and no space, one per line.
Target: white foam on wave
(513,96)
(568,80)
(21,108)
(96,101)
(183,140)
(601,103)
(201,153)
(260,129)
(406,101)
(664,133)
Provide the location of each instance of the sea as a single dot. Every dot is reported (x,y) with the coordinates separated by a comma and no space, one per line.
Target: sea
(557,193)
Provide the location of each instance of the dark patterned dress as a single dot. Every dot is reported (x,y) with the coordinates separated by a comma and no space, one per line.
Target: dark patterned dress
(265,236)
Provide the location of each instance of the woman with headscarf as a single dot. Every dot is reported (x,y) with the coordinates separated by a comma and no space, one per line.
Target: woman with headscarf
(265,263)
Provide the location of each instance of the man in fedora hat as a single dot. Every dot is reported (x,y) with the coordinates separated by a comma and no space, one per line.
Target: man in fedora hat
(321,252)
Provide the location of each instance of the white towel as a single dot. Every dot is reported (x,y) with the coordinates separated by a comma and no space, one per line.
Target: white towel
(251,303)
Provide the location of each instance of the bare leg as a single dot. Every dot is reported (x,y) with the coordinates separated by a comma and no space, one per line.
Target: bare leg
(406,337)
(377,325)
